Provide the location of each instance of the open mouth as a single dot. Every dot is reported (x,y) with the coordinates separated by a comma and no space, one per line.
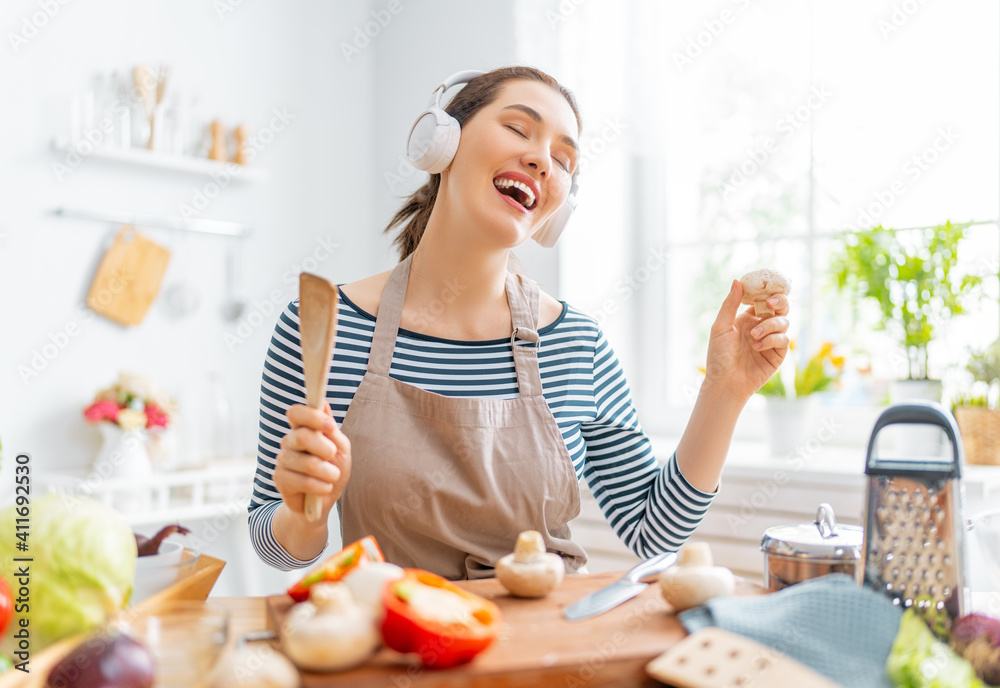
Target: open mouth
(518,191)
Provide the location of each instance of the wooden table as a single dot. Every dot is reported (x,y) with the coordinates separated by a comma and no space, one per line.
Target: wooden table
(537,647)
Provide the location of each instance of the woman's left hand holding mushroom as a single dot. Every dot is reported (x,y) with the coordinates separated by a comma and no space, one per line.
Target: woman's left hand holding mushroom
(744,351)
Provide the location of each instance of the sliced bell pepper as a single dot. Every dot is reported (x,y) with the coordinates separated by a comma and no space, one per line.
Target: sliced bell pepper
(336,567)
(438,620)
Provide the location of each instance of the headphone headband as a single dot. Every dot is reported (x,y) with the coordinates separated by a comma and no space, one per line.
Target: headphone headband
(453,80)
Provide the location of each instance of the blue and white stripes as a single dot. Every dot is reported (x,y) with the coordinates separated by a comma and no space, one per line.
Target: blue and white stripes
(651,509)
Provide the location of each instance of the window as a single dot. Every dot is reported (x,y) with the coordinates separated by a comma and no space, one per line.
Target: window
(727,136)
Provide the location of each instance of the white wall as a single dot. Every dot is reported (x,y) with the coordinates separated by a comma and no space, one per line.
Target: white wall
(245,63)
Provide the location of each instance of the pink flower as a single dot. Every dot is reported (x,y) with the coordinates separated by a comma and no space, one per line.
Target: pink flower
(102,410)
(155,416)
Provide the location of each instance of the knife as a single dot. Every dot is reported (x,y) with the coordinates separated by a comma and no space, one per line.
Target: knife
(317,328)
(625,588)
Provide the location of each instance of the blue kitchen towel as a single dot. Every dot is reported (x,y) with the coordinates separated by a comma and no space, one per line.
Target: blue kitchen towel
(830,624)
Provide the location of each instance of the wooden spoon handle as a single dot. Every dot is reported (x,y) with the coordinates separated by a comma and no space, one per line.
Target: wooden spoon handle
(317,327)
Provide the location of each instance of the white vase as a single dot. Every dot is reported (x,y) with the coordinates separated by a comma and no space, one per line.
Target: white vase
(787,421)
(124,456)
(910,441)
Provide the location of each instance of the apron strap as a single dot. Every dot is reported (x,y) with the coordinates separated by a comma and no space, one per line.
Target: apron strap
(522,298)
(390,309)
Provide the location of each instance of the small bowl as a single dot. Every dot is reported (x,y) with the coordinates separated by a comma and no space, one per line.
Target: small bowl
(986,529)
(156,572)
(186,639)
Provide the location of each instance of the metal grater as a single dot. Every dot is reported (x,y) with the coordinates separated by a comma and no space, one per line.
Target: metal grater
(914,543)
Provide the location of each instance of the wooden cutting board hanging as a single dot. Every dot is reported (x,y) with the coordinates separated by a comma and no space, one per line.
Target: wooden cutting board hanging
(128,278)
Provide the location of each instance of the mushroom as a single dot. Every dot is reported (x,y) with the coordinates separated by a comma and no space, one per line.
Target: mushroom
(367,583)
(330,632)
(694,580)
(258,667)
(760,285)
(530,571)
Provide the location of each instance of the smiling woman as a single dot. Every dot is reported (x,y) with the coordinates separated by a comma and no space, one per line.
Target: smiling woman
(463,428)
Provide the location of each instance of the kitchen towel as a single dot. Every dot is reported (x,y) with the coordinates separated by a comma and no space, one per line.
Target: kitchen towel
(843,631)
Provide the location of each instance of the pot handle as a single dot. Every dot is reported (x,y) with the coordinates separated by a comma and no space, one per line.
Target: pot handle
(826,522)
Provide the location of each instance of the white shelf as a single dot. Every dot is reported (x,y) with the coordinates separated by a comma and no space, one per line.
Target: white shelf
(221,488)
(168,161)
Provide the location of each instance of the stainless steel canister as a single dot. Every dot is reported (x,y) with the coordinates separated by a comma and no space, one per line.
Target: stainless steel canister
(797,553)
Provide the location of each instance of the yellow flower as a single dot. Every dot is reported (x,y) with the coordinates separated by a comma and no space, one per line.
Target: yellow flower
(838,362)
(825,349)
(130,419)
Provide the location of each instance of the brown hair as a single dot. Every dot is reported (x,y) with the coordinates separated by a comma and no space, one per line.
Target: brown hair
(482,90)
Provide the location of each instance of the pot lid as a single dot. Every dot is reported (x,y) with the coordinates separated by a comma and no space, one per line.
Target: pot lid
(822,539)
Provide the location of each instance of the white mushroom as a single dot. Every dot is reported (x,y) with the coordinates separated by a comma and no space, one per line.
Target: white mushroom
(368,582)
(330,632)
(260,666)
(694,581)
(530,571)
(760,285)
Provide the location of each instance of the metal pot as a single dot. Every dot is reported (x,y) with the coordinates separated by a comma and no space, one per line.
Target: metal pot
(797,553)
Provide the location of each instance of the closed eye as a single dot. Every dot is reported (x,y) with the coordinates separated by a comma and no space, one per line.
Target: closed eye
(564,165)
(516,131)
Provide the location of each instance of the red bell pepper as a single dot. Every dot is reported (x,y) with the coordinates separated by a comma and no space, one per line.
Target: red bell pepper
(339,565)
(438,620)
(6,605)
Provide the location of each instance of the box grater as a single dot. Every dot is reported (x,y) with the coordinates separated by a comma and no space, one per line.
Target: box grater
(914,540)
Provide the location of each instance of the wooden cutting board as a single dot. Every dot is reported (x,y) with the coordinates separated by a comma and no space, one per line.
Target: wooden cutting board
(128,278)
(537,648)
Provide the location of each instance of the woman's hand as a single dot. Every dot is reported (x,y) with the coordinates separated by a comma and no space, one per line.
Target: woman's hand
(744,350)
(315,458)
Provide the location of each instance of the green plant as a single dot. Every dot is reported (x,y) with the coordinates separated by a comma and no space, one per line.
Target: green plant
(985,369)
(820,373)
(911,275)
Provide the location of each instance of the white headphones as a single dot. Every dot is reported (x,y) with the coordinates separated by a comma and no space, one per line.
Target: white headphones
(433,142)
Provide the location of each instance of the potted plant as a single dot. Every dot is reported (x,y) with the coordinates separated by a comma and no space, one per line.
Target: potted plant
(126,413)
(911,275)
(976,410)
(788,406)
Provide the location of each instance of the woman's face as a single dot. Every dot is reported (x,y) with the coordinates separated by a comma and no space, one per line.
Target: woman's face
(514,162)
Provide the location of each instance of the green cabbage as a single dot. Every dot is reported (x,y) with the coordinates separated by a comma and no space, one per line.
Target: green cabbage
(82,569)
(919,660)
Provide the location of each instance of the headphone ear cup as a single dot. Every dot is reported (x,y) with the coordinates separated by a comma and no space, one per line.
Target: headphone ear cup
(433,140)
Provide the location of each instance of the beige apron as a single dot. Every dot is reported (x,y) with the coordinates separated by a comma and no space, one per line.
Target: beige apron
(447,483)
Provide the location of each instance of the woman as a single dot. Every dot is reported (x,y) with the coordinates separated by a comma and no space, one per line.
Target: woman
(457,434)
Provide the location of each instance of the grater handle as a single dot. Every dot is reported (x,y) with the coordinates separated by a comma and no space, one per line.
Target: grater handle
(925,412)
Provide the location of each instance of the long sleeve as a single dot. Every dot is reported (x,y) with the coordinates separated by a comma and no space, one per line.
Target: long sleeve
(652,509)
(282,385)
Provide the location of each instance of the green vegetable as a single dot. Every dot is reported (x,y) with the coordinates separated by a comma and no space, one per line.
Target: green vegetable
(919,660)
(82,569)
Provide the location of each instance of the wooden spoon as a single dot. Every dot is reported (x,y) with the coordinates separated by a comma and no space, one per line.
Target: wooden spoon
(318,300)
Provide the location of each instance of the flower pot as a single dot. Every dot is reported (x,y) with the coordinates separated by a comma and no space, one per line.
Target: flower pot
(980,434)
(913,441)
(787,421)
(124,457)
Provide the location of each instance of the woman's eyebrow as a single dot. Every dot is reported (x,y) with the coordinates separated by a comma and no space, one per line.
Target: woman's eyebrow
(535,115)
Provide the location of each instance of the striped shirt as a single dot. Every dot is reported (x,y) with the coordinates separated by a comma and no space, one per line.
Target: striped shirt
(652,509)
